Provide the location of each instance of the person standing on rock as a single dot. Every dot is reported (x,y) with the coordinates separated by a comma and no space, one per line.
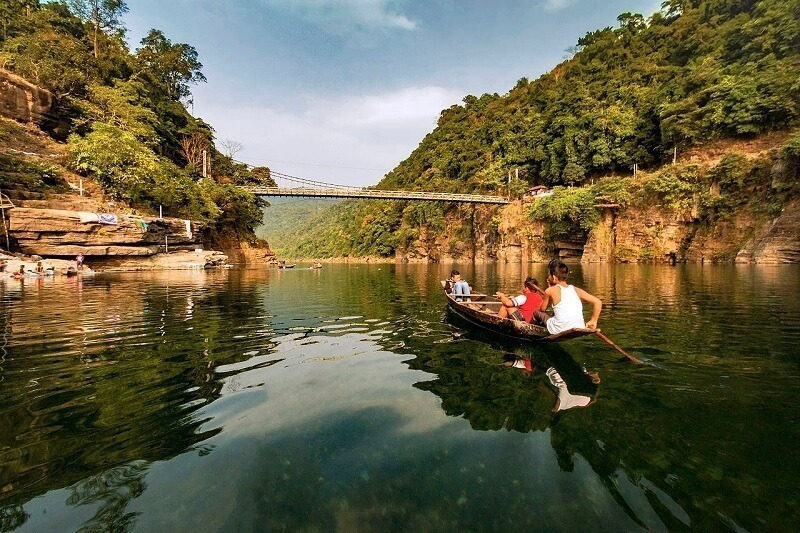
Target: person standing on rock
(79,261)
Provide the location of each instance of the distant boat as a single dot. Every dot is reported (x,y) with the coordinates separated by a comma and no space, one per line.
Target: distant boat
(316,265)
(287,266)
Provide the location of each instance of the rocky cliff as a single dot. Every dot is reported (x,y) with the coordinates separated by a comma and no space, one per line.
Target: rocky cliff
(61,233)
(25,102)
(635,234)
(731,201)
(655,234)
(481,234)
(777,241)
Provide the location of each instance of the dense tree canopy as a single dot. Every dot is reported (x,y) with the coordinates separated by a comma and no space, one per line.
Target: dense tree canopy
(173,67)
(102,15)
(694,71)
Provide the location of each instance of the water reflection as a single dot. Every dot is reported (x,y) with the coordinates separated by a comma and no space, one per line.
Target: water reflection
(96,378)
(577,390)
(340,399)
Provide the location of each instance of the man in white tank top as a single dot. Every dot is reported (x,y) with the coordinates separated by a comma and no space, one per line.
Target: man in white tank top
(566,301)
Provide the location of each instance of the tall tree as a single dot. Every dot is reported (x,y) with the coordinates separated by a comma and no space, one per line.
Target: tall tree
(14,10)
(103,15)
(231,148)
(173,66)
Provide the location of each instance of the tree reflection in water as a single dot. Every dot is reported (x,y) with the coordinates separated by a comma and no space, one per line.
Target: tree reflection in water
(113,490)
(120,393)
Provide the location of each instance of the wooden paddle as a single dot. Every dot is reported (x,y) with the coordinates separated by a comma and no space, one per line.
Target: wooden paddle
(617,348)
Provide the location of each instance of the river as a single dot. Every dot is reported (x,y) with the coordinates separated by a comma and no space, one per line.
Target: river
(349,399)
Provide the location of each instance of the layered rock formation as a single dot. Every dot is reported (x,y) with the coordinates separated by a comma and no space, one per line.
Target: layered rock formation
(655,234)
(777,241)
(60,233)
(635,234)
(497,234)
(23,101)
(182,260)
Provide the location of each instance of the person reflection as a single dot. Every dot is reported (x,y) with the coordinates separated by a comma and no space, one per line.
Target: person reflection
(528,367)
(575,386)
(584,389)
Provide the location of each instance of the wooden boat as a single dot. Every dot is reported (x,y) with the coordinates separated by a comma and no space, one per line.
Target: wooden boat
(482,311)
(287,266)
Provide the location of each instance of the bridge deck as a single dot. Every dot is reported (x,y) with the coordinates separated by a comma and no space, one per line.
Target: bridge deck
(378,194)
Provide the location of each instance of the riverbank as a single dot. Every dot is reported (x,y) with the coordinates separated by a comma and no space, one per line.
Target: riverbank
(724,202)
(51,211)
(50,267)
(182,260)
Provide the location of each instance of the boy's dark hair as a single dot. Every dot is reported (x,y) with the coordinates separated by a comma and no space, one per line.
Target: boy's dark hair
(455,273)
(531,283)
(558,269)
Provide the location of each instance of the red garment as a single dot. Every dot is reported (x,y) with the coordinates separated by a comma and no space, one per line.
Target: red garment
(532,302)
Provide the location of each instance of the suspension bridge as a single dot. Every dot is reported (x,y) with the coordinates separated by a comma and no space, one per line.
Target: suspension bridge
(293,186)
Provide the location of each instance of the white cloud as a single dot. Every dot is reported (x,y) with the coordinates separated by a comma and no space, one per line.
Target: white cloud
(368,134)
(342,17)
(557,5)
(409,105)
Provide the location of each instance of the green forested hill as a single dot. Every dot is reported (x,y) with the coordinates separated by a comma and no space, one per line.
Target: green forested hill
(695,71)
(123,111)
(284,215)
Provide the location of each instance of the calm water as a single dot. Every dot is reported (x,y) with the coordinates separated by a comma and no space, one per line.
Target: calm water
(347,399)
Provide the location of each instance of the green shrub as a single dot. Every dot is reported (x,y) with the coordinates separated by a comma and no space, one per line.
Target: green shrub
(18,174)
(236,208)
(625,254)
(791,153)
(130,171)
(424,214)
(616,189)
(569,211)
(675,186)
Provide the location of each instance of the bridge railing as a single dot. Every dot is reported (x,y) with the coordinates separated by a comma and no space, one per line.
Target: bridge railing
(377,194)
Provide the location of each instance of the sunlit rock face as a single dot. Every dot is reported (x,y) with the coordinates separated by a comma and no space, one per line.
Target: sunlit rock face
(23,101)
(777,241)
(652,234)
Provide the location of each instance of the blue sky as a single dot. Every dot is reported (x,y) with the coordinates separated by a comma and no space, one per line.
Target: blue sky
(343,90)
